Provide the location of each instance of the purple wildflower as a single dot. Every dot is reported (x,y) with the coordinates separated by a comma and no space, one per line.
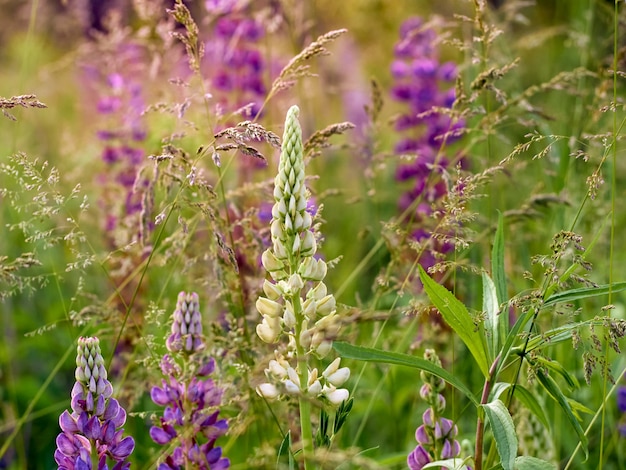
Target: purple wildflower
(621,406)
(436,437)
(95,424)
(186,332)
(424,84)
(240,80)
(190,418)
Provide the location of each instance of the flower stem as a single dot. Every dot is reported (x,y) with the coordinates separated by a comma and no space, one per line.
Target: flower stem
(480,423)
(303,373)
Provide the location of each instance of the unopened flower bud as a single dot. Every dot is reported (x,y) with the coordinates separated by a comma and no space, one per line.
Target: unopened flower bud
(336,396)
(268,391)
(276,369)
(271,290)
(309,245)
(315,388)
(270,308)
(339,377)
(326,305)
(295,283)
(309,306)
(291,387)
(269,329)
(270,262)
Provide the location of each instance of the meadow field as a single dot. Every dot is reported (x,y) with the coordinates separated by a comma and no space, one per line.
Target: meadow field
(292,234)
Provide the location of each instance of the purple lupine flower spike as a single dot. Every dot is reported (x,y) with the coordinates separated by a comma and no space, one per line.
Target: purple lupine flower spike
(95,425)
(190,418)
(423,84)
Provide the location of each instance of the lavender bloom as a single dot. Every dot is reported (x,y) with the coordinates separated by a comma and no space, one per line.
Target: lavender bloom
(190,418)
(423,84)
(240,80)
(96,421)
(621,406)
(436,437)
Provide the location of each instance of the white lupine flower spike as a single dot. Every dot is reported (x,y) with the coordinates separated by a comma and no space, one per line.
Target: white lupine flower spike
(296,306)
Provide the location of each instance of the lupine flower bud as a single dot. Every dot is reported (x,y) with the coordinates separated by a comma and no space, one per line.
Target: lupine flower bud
(269,329)
(268,391)
(186,330)
(336,396)
(270,262)
(269,307)
(271,290)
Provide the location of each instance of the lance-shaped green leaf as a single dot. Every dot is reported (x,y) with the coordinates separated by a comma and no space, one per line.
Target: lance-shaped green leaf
(521,322)
(503,431)
(532,463)
(557,368)
(458,318)
(360,353)
(584,293)
(491,308)
(555,392)
(497,261)
(284,452)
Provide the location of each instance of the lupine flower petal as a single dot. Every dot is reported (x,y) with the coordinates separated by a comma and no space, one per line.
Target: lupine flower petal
(123,449)
(621,399)
(159,436)
(421,436)
(67,423)
(159,396)
(450,449)
(417,459)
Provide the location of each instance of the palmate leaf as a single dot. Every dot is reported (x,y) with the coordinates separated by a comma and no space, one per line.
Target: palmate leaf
(555,392)
(458,318)
(360,353)
(503,431)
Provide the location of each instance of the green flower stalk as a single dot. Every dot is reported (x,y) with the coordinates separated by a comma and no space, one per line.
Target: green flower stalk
(296,303)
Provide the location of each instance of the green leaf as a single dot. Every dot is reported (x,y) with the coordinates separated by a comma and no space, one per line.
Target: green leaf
(360,353)
(285,450)
(497,261)
(525,397)
(511,337)
(532,463)
(491,307)
(450,464)
(584,293)
(458,318)
(555,392)
(503,431)
(558,368)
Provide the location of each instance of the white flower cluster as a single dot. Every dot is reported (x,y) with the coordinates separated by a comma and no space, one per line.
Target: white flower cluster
(296,301)
(325,385)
